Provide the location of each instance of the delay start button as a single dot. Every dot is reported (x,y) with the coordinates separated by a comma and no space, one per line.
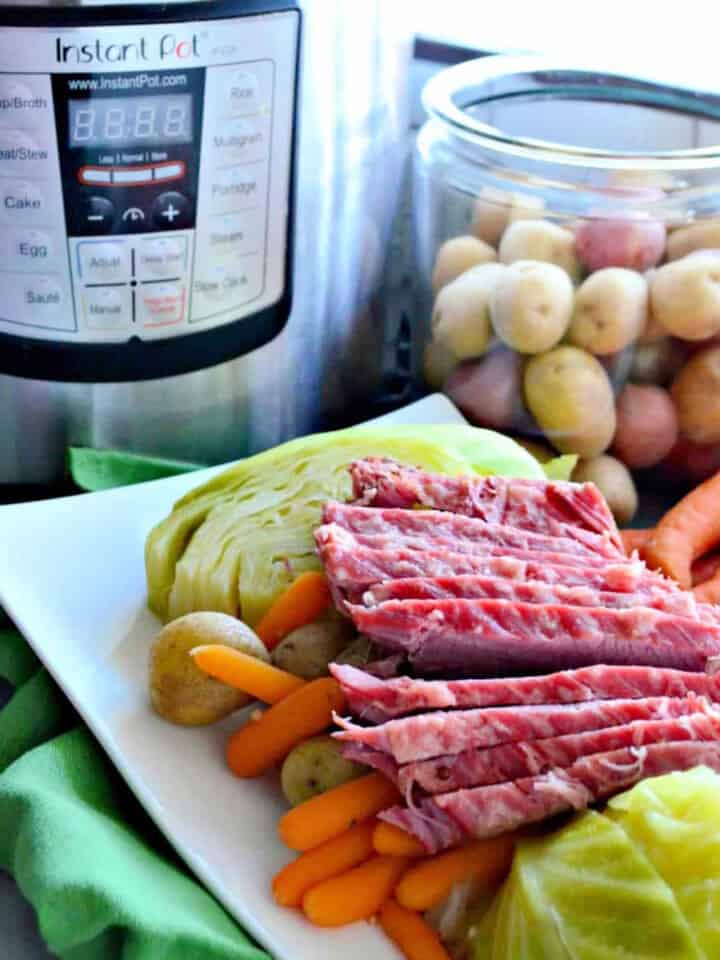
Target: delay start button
(158,257)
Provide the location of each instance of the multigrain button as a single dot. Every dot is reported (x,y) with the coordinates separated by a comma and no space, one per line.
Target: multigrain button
(161,257)
(103,261)
(241,139)
(107,308)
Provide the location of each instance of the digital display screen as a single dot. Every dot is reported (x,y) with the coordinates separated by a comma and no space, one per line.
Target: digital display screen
(130,121)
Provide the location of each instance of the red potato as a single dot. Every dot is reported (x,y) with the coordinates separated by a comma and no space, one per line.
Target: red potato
(625,240)
(696,394)
(488,391)
(690,462)
(647,426)
(654,362)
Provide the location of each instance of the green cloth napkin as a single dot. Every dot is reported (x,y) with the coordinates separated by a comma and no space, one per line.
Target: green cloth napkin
(104,469)
(104,883)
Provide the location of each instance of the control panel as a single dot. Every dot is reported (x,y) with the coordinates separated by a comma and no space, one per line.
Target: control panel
(145,179)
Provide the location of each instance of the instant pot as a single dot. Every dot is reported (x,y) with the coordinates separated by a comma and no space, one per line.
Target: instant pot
(195,200)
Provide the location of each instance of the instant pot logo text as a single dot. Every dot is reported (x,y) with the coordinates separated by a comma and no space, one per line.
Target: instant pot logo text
(169,49)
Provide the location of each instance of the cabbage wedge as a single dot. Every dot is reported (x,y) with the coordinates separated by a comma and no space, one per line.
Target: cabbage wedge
(234,543)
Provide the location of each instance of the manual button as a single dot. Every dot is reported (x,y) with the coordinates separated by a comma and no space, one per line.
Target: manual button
(107,308)
(103,261)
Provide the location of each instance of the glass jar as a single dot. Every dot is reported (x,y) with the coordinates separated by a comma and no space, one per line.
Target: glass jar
(567,237)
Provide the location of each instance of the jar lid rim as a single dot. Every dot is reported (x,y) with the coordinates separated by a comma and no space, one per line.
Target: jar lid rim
(448,95)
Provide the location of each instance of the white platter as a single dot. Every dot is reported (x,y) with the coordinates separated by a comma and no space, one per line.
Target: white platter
(72,579)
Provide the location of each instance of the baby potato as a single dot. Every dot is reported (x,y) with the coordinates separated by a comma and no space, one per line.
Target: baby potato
(307,651)
(614,481)
(690,462)
(704,235)
(438,364)
(540,240)
(315,766)
(179,691)
(623,240)
(696,392)
(570,395)
(488,391)
(531,305)
(610,311)
(647,426)
(456,256)
(494,209)
(685,296)
(461,318)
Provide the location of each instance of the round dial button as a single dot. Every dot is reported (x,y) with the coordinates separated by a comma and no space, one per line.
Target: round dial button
(97,215)
(170,211)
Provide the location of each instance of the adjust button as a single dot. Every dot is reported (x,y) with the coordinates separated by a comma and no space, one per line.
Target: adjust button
(103,261)
(171,210)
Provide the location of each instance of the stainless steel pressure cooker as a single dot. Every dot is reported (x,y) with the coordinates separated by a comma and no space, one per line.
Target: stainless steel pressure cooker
(195,200)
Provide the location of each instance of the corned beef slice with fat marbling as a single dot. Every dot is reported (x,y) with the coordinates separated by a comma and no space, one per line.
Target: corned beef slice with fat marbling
(428,735)
(392,527)
(450,818)
(377,700)
(530,504)
(529,758)
(492,636)
(352,568)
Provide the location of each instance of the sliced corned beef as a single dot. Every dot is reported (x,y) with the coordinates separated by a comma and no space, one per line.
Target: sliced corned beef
(353,568)
(390,527)
(427,735)
(530,504)
(378,700)
(529,758)
(491,810)
(497,636)
(656,596)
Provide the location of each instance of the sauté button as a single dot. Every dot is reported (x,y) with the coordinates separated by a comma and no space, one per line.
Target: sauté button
(97,215)
(171,211)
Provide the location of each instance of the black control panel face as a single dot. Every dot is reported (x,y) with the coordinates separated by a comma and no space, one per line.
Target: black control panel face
(129,146)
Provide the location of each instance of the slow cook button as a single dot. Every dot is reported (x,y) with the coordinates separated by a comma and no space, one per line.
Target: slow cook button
(227,287)
(162,304)
(107,308)
(238,188)
(103,261)
(22,202)
(161,257)
(20,153)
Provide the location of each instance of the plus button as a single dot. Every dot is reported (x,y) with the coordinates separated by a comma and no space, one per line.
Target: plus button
(171,209)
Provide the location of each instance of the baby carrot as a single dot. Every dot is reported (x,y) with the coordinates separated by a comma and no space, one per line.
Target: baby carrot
(335,856)
(262,743)
(247,673)
(415,938)
(686,532)
(635,539)
(304,601)
(355,895)
(428,883)
(329,814)
(390,839)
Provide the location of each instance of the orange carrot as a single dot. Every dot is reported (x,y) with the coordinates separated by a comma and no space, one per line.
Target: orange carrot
(304,601)
(262,743)
(635,539)
(398,843)
(247,673)
(329,814)
(416,939)
(686,532)
(355,895)
(335,856)
(428,883)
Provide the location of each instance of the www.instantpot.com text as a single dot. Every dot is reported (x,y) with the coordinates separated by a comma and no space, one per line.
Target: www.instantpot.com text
(140,81)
